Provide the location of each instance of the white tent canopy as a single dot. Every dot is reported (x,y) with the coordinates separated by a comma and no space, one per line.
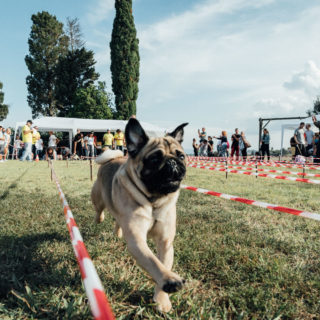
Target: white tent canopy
(71,125)
(293,127)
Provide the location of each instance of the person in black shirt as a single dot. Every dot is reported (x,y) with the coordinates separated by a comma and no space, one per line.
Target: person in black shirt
(77,144)
(210,147)
(235,138)
(195,147)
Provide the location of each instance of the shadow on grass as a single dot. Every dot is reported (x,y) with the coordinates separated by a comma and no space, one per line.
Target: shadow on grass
(13,185)
(20,263)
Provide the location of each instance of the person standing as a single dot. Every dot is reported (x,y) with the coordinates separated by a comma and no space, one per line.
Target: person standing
(108,140)
(243,145)
(7,140)
(17,147)
(300,140)
(119,139)
(195,147)
(53,141)
(202,138)
(35,138)
(265,144)
(27,140)
(235,138)
(210,147)
(316,140)
(223,149)
(2,141)
(39,148)
(309,134)
(90,145)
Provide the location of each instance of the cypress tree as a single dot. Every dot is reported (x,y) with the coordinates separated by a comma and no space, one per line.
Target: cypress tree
(4,108)
(125,60)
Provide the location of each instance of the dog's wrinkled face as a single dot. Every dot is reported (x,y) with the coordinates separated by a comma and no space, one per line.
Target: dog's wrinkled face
(160,162)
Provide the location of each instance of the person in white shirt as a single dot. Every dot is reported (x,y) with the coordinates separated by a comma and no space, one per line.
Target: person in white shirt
(17,148)
(53,141)
(90,145)
(309,134)
(300,140)
(39,148)
(2,142)
(7,137)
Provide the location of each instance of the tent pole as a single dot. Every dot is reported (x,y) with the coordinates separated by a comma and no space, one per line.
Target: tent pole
(282,133)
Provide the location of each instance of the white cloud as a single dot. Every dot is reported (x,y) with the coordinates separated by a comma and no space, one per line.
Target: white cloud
(307,80)
(100,11)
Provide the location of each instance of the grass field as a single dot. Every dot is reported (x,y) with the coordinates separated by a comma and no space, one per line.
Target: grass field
(240,262)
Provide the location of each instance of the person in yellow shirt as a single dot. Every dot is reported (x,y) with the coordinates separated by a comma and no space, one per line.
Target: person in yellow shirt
(27,140)
(108,140)
(119,139)
(35,138)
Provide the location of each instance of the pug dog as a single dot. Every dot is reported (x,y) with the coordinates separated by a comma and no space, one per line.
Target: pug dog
(141,193)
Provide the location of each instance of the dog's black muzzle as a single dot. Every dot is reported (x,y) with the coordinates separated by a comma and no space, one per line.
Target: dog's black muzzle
(167,179)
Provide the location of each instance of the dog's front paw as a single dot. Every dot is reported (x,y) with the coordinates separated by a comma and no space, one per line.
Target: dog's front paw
(163,301)
(173,284)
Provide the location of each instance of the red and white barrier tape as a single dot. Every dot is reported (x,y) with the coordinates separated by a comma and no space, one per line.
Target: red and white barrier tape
(317,175)
(301,213)
(263,175)
(276,165)
(99,304)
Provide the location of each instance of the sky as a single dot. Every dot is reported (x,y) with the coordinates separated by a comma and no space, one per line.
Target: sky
(218,64)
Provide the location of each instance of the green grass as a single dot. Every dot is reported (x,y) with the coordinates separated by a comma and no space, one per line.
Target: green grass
(240,262)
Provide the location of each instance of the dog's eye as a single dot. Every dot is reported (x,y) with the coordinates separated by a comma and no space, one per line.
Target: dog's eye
(181,157)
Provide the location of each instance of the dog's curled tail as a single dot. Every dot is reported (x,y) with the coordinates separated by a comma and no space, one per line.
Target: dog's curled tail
(108,155)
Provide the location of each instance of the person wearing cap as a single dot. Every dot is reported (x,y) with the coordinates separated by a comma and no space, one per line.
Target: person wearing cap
(119,139)
(108,140)
(27,140)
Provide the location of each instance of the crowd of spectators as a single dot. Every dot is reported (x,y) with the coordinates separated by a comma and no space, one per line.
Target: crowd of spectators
(304,143)
(205,147)
(31,146)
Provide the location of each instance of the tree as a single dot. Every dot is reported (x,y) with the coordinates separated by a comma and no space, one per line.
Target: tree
(47,43)
(125,59)
(4,108)
(73,31)
(73,72)
(316,107)
(92,102)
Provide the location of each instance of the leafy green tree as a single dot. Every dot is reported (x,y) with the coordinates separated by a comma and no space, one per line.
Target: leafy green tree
(125,60)
(47,43)
(73,72)
(4,108)
(316,107)
(92,102)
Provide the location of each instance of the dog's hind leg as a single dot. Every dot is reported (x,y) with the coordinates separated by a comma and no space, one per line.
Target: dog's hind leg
(97,203)
(118,230)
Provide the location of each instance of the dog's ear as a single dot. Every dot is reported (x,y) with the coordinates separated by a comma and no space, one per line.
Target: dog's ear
(178,133)
(136,137)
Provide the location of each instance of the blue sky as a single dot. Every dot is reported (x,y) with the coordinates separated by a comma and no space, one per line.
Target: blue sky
(219,64)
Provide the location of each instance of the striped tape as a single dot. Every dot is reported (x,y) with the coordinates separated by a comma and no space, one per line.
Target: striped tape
(277,165)
(301,213)
(317,175)
(263,175)
(99,304)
